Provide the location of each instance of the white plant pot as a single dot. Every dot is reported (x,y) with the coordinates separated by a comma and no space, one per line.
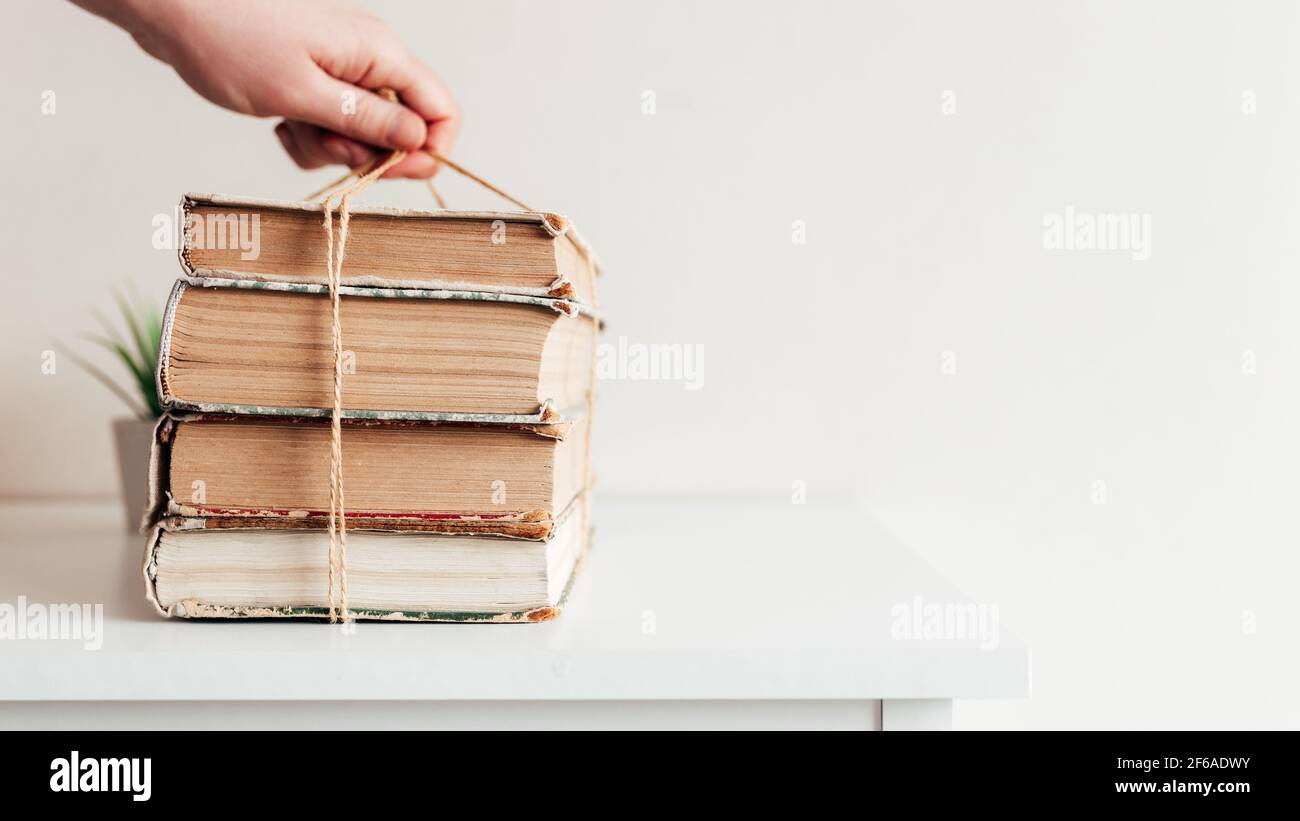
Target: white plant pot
(133,438)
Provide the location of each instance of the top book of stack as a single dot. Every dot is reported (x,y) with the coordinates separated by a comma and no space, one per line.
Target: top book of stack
(526,253)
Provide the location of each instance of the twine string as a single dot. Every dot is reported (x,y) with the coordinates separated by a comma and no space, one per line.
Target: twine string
(334,255)
(368,168)
(338,194)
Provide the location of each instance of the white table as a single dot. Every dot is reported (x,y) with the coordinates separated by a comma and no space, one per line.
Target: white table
(711,613)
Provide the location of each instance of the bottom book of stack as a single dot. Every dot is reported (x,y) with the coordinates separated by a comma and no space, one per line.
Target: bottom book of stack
(265,573)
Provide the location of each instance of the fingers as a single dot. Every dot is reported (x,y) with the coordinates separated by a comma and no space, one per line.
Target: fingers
(356,113)
(416,166)
(380,61)
(349,152)
(422,90)
(312,147)
(337,97)
(442,135)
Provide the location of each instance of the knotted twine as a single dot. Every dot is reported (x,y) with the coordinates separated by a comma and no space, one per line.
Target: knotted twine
(361,178)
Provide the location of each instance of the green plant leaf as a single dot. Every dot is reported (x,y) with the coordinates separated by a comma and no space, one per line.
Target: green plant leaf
(140,356)
(142,345)
(155,336)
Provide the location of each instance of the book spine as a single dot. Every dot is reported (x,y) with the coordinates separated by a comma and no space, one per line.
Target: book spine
(150,571)
(159,472)
(165,345)
(187,234)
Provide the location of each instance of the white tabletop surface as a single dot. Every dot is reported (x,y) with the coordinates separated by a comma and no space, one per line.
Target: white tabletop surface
(701,599)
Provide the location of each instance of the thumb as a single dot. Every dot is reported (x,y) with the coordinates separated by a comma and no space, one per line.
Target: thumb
(357,113)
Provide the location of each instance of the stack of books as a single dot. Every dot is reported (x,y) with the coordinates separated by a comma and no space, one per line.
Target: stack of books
(469,347)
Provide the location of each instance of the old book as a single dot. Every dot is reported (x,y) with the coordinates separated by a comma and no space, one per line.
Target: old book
(532,253)
(262,347)
(391,576)
(230,471)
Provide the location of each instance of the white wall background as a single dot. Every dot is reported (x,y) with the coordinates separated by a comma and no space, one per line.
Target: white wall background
(823,361)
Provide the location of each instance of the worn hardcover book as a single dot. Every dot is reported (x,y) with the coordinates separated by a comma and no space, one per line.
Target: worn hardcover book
(246,346)
(224,471)
(200,573)
(468,360)
(532,253)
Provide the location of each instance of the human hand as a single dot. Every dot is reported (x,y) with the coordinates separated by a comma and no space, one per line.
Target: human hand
(314,63)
